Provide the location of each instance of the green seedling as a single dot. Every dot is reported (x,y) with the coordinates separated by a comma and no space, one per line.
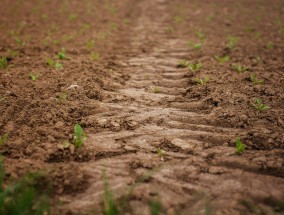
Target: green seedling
(61,54)
(110,206)
(13,53)
(24,196)
(194,67)
(56,65)
(257,35)
(239,68)
(195,45)
(156,207)
(270,45)
(209,18)
(84,28)
(34,77)
(222,60)
(255,80)
(73,17)
(240,147)
(3,63)
(232,42)
(200,35)
(161,153)
(95,56)
(259,106)
(3,139)
(19,41)
(178,19)
(278,21)
(169,30)
(201,81)
(63,97)
(90,44)
(155,89)
(249,29)
(113,26)
(79,136)
(183,63)
(2,98)
(103,35)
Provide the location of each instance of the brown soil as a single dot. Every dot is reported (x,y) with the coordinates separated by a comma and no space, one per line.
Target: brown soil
(140,44)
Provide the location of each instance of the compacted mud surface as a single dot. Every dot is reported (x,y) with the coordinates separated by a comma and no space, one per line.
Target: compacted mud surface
(154,135)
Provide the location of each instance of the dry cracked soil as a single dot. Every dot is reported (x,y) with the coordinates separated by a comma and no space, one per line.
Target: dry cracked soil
(163,142)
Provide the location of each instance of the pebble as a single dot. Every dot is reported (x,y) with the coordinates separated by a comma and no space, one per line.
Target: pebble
(115,125)
(51,138)
(72,149)
(102,122)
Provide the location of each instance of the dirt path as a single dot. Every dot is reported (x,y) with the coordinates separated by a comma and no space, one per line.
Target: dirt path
(197,169)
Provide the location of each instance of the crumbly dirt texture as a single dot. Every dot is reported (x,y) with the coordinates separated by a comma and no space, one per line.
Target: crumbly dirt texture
(151,128)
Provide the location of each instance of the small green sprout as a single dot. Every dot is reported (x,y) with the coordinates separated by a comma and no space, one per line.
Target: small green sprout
(12,53)
(239,68)
(169,30)
(50,62)
(113,26)
(201,81)
(90,44)
(161,153)
(222,60)
(278,21)
(195,45)
(61,54)
(209,18)
(270,45)
(200,35)
(255,80)
(3,63)
(103,35)
(19,41)
(34,77)
(2,98)
(232,41)
(3,139)
(194,67)
(56,65)
(259,105)
(178,19)
(95,56)
(155,89)
(240,147)
(79,136)
(155,207)
(62,97)
(73,17)
(183,63)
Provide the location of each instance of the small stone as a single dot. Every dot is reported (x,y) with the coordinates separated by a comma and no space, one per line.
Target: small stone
(51,138)
(129,148)
(260,160)
(131,125)
(59,124)
(115,126)
(215,170)
(102,122)
(72,149)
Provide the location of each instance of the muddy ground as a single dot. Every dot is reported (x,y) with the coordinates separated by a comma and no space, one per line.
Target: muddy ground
(153,133)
